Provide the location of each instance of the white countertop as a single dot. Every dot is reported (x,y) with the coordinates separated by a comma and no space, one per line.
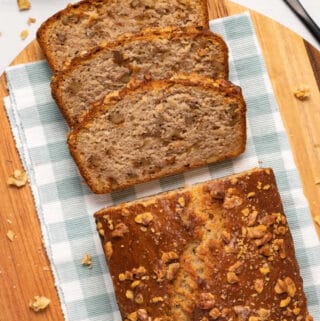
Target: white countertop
(13,21)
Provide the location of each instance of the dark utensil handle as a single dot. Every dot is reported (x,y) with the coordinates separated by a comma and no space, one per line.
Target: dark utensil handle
(300,11)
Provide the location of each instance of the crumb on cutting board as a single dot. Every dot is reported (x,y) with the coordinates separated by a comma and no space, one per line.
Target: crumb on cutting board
(31,20)
(302,92)
(317,220)
(24,34)
(24,5)
(11,235)
(87,261)
(39,303)
(19,178)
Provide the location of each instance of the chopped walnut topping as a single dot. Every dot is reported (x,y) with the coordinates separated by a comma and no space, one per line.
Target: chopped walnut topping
(87,261)
(139,272)
(135,284)
(125,212)
(144,218)
(253,318)
(157,299)
(119,230)
(226,236)
(266,238)
(285,286)
(245,211)
(259,185)
(214,313)
(139,298)
(266,187)
(11,235)
(278,245)
(142,315)
(201,52)
(232,201)
(172,271)
(100,228)
(256,232)
(39,303)
(242,312)
(236,267)
(132,316)
(264,314)
(234,181)
(265,269)
(129,295)
(302,92)
(121,277)
(108,249)
(206,301)
(296,311)
(24,5)
(109,222)
(252,218)
(232,277)
(18,178)
(285,302)
(251,194)
(258,285)
(169,256)
(181,201)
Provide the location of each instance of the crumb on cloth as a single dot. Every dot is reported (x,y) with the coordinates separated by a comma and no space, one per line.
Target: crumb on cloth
(24,5)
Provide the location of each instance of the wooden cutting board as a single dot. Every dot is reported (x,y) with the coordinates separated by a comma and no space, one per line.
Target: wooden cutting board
(23,263)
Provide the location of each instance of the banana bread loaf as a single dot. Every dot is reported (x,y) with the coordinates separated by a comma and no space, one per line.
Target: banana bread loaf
(158,128)
(82,26)
(219,250)
(159,53)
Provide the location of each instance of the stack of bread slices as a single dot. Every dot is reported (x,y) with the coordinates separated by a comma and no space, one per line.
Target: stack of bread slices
(143,86)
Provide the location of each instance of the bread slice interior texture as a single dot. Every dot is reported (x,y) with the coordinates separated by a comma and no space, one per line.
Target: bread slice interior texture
(157,53)
(157,129)
(84,25)
(218,250)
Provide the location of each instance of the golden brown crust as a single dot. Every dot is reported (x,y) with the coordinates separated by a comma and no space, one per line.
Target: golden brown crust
(47,25)
(186,80)
(217,249)
(147,34)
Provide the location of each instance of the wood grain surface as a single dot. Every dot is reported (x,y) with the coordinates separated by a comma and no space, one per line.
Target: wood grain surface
(23,262)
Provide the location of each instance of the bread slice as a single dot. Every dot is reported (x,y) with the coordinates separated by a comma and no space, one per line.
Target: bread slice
(158,53)
(84,25)
(219,250)
(159,128)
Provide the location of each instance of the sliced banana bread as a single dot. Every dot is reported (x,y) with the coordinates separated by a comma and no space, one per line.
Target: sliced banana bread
(158,53)
(220,250)
(159,128)
(82,26)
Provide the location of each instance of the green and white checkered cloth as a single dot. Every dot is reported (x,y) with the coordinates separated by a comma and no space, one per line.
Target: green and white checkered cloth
(65,204)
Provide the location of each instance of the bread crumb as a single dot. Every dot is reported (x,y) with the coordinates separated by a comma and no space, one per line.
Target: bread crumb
(9,221)
(24,5)
(87,261)
(24,34)
(317,219)
(18,178)
(31,20)
(11,235)
(39,303)
(302,92)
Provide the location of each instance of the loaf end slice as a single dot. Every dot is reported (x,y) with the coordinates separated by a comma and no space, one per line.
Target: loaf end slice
(158,53)
(159,128)
(219,250)
(84,25)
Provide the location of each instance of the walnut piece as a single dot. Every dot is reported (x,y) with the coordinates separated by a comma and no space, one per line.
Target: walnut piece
(285,286)
(119,230)
(214,313)
(256,232)
(167,257)
(232,201)
(11,235)
(242,312)
(129,295)
(24,5)
(139,298)
(258,285)
(19,178)
(232,278)
(206,301)
(144,218)
(302,92)
(87,261)
(30,21)
(24,34)
(285,302)
(172,271)
(108,249)
(39,303)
